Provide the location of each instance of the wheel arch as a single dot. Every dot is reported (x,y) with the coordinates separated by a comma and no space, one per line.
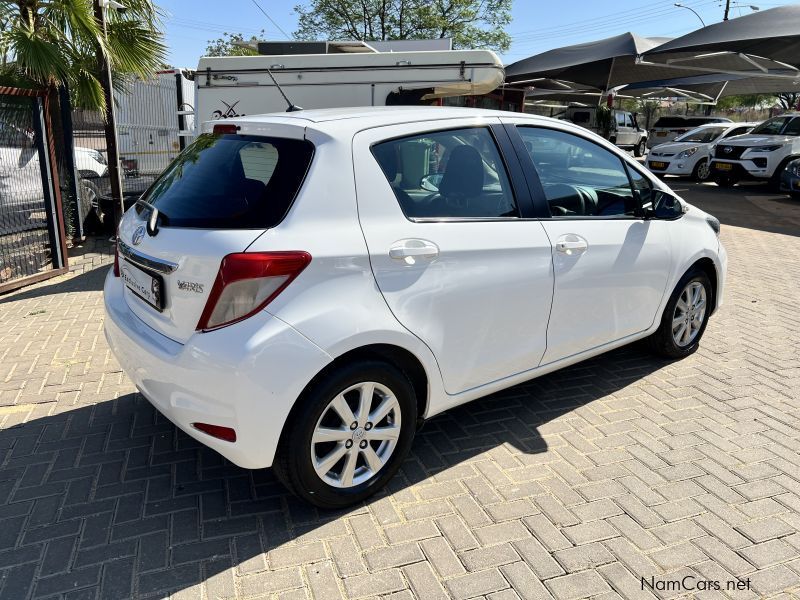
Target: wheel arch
(707,265)
(400,357)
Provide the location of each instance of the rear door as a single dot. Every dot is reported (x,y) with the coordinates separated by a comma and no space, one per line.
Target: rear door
(219,195)
(456,258)
(611,266)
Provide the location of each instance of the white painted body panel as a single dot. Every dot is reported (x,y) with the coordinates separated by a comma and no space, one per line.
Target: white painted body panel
(249,375)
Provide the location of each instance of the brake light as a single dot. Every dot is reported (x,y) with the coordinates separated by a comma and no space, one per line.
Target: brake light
(223,128)
(116,256)
(217,431)
(246,283)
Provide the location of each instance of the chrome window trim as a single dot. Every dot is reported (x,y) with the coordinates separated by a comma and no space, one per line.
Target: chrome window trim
(146,262)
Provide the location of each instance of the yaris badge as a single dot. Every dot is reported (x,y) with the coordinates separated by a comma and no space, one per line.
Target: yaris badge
(138,235)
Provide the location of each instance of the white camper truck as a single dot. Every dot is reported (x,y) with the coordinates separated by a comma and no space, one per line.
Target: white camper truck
(235,86)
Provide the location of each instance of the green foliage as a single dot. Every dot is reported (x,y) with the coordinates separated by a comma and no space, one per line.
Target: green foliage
(46,43)
(470,23)
(225,46)
(745,101)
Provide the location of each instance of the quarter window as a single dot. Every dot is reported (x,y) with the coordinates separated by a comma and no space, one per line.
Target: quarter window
(579,177)
(448,174)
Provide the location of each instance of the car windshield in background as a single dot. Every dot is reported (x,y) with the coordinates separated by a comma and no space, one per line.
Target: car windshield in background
(670,122)
(772,126)
(701,135)
(231,182)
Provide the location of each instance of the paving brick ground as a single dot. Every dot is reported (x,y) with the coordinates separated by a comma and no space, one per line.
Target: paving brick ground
(574,485)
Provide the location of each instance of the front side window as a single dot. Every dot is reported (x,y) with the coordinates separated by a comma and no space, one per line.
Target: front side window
(629,120)
(231,182)
(579,177)
(450,174)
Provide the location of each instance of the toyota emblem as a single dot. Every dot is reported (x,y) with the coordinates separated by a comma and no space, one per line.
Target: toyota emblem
(138,235)
(727,149)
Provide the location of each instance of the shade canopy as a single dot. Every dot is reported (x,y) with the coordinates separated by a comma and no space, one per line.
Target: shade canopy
(772,34)
(709,87)
(600,64)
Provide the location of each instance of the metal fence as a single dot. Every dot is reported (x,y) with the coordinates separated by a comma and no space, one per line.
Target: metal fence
(149,138)
(32,240)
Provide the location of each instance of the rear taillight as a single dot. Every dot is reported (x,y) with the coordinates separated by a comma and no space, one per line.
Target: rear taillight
(116,256)
(247,282)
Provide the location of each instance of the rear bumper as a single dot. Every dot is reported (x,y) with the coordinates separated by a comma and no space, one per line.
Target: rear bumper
(246,376)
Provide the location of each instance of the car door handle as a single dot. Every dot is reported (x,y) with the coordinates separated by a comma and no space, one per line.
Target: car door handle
(571,244)
(413,248)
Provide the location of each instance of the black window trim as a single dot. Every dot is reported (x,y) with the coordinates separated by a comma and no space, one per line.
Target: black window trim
(537,191)
(508,159)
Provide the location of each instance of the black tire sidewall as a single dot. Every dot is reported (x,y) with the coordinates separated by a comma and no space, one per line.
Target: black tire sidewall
(304,479)
(664,337)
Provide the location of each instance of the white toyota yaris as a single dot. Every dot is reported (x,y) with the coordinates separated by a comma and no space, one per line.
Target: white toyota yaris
(301,290)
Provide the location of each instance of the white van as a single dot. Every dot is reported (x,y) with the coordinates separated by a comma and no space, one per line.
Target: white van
(236,86)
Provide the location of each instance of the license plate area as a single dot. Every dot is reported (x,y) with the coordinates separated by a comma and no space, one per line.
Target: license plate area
(145,285)
(658,165)
(661,133)
(723,166)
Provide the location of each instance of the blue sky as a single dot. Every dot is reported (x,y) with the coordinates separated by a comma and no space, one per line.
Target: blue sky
(538,25)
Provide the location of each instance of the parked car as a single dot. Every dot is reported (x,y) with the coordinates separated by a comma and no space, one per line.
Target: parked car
(292,293)
(625,131)
(689,154)
(761,155)
(790,179)
(666,129)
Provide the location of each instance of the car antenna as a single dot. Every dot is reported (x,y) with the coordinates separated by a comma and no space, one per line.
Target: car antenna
(292,107)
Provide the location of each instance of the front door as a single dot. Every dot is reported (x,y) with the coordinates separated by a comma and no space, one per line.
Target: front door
(611,266)
(455,260)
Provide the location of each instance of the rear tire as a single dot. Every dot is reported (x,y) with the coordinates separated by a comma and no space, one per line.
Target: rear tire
(317,434)
(640,148)
(685,317)
(725,181)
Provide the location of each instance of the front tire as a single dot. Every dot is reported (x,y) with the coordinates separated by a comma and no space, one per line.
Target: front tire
(702,171)
(685,317)
(640,149)
(349,436)
(725,181)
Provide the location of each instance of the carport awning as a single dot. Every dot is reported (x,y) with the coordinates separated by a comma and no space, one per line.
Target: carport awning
(759,44)
(595,64)
(708,88)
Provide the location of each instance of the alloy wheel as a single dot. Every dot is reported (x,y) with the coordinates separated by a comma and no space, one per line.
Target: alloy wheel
(356,435)
(690,311)
(703,171)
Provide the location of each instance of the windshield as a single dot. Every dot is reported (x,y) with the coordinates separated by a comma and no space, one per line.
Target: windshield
(772,126)
(701,135)
(230,181)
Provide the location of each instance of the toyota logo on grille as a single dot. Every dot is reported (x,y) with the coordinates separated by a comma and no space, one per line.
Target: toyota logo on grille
(727,149)
(138,235)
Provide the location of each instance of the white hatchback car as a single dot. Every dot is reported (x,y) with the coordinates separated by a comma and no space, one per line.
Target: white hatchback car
(301,290)
(688,155)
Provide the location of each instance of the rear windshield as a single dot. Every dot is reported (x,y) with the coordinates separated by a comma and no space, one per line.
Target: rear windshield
(231,182)
(670,122)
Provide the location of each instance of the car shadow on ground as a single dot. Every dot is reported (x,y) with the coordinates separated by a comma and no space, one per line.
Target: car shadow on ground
(113,495)
(88,281)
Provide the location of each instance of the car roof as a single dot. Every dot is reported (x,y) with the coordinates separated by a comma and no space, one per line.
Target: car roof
(359,118)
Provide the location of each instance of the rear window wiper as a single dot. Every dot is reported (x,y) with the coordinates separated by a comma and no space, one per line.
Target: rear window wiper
(155,214)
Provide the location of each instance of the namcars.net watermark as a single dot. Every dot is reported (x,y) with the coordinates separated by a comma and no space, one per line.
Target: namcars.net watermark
(690,583)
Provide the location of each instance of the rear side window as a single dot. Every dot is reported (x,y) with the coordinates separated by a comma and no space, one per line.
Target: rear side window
(231,182)
(793,128)
(455,174)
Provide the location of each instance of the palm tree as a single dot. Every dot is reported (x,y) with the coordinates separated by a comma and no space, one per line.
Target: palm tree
(48,43)
(54,44)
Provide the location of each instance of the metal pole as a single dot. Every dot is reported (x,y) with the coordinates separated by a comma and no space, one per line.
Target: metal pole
(679,5)
(114,171)
(727,9)
(69,155)
(181,107)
